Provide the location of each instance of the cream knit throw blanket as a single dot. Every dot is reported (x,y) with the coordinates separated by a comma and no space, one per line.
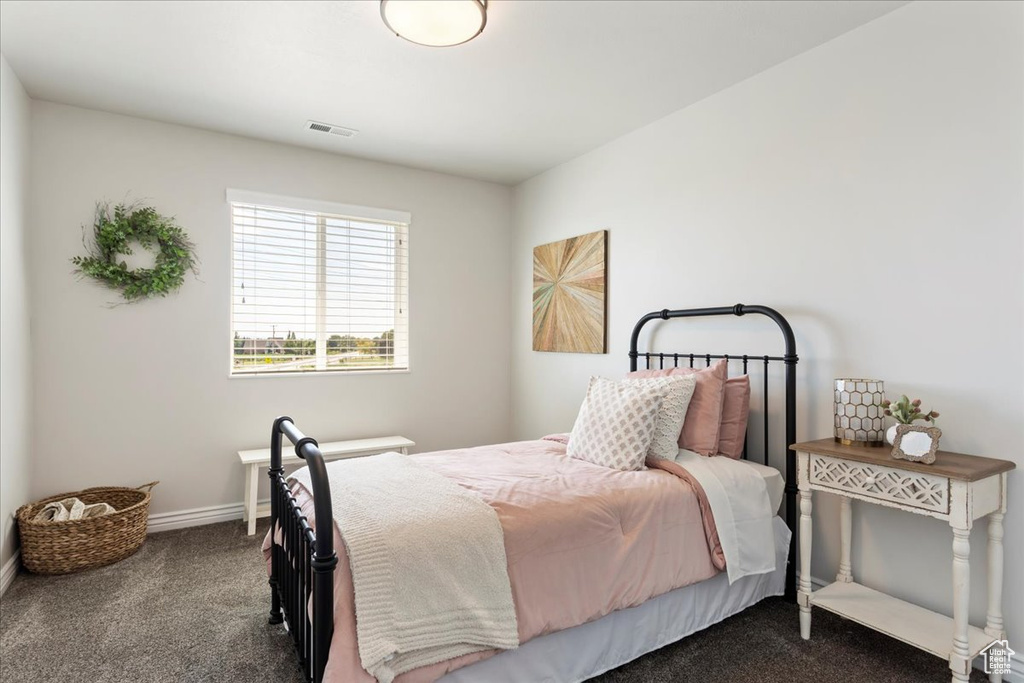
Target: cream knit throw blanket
(428,564)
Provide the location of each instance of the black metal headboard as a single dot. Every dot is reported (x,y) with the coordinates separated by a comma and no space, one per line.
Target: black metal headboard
(790,360)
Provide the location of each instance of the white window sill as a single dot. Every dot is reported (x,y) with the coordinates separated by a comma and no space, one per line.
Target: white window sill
(318,373)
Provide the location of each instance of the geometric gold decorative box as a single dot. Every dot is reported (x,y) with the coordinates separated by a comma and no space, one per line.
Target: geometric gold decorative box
(858,412)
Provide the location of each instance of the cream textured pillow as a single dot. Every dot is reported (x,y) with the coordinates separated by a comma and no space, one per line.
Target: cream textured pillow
(677,390)
(615,424)
(704,416)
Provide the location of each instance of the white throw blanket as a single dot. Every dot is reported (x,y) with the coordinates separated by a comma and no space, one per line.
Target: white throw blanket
(428,564)
(739,501)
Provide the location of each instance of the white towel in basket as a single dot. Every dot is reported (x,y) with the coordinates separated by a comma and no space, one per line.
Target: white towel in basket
(72,508)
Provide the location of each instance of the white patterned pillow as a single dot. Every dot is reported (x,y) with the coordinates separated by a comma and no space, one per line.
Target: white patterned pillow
(615,424)
(677,391)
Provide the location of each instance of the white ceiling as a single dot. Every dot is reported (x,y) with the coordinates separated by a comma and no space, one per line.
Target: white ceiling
(545,82)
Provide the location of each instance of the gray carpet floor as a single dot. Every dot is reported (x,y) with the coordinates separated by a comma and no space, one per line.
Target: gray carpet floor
(191,606)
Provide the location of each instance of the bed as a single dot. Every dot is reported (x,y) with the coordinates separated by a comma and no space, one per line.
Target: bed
(682,593)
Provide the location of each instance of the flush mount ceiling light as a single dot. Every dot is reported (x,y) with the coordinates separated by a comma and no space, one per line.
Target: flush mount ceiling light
(435,23)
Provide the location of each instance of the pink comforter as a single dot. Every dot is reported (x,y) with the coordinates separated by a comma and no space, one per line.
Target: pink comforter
(581,541)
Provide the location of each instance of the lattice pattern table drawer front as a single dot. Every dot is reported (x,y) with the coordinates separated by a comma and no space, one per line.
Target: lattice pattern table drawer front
(911,489)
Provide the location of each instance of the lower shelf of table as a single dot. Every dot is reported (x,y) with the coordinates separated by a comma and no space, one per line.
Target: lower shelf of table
(917,626)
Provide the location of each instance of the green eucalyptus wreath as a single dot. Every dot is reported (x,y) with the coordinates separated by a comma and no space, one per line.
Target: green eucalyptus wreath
(113,232)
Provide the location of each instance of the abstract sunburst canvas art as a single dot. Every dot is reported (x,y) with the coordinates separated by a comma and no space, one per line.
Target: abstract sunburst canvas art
(569,294)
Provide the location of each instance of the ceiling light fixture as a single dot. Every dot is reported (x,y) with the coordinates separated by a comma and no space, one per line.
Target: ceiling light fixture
(435,23)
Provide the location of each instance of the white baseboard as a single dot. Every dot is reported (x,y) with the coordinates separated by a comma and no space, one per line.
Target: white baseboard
(1016,674)
(1016,669)
(9,571)
(166,521)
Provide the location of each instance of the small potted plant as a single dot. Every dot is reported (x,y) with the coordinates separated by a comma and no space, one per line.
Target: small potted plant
(905,412)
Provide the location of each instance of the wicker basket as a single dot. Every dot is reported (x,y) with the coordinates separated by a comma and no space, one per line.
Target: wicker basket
(74,545)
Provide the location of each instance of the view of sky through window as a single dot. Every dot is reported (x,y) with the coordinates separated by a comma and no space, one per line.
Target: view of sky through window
(313,291)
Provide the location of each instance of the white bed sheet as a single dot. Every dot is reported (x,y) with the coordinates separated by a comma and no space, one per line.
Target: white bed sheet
(773,480)
(738,497)
(585,651)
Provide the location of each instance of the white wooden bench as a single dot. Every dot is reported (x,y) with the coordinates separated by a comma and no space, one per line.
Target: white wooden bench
(335,450)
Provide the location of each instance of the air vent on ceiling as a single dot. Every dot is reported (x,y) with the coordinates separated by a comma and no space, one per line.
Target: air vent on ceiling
(328,128)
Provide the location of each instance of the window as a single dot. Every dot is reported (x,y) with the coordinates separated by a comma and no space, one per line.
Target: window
(317,287)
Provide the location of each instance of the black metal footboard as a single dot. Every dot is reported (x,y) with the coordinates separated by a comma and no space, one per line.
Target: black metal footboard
(302,563)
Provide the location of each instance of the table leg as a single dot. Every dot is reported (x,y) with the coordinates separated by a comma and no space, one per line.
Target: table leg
(959,659)
(245,495)
(845,574)
(250,498)
(994,616)
(804,590)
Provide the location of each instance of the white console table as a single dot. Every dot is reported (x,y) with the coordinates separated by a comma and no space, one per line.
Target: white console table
(956,488)
(334,450)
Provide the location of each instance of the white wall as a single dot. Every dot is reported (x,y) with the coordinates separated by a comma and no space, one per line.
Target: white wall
(132,393)
(871,190)
(15,347)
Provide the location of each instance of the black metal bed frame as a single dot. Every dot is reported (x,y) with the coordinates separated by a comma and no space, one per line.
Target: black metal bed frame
(789,358)
(302,562)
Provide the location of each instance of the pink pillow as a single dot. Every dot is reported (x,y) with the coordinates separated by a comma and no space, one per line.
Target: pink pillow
(704,416)
(735,411)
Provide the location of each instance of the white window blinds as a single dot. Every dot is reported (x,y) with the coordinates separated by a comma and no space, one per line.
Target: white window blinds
(317,287)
